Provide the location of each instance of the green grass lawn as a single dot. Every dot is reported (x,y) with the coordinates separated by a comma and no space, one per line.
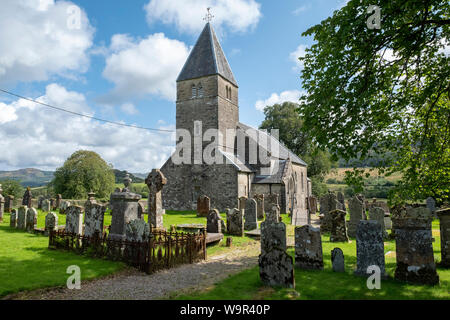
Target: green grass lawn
(327,284)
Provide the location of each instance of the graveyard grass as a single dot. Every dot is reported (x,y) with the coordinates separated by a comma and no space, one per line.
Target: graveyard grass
(326,284)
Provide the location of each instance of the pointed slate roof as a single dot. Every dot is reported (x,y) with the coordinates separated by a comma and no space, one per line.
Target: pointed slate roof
(207,58)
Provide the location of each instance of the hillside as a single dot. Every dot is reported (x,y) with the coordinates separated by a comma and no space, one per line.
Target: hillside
(28,177)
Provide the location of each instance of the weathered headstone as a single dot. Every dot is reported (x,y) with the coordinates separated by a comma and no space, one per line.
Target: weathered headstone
(125,209)
(141,211)
(137,230)
(46,205)
(64,206)
(250,215)
(2,204)
(328,203)
(356,208)
(369,247)
(235,222)
(312,204)
(74,220)
(273,213)
(52,203)
(444,223)
(273,235)
(51,222)
(155,182)
(94,215)
(31,221)
(271,200)
(40,199)
(338,226)
(27,197)
(22,217)
(341,200)
(242,202)
(308,248)
(214,222)
(377,213)
(9,203)
(414,245)
(276,268)
(203,206)
(58,201)
(13,219)
(337,260)
(260,205)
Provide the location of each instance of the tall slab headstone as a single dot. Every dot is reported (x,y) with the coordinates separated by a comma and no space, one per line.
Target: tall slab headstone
(273,235)
(338,226)
(337,260)
(58,201)
(250,215)
(74,220)
(377,213)
(94,215)
(51,222)
(22,217)
(235,222)
(444,225)
(203,206)
(155,182)
(328,203)
(214,222)
(414,245)
(260,202)
(271,200)
(9,203)
(125,209)
(31,220)
(242,202)
(356,210)
(273,213)
(369,247)
(341,200)
(13,219)
(46,205)
(27,197)
(308,248)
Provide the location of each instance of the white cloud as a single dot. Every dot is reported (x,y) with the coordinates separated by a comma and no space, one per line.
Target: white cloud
(140,67)
(129,108)
(299,10)
(299,52)
(32,135)
(36,42)
(236,15)
(285,96)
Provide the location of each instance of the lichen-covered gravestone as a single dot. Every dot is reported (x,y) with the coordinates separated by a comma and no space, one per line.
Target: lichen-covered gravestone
(74,220)
(214,222)
(235,222)
(125,209)
(51,222)
(31,219)
(203,206)
(338,226)
(63,207)
(444,223)
(27,197)
(356,208)
(337,260)
(341,200)
(328,203)
(250,215)
(242,202)
(273,214)
(137,230)
(369,247)
(94,215)
(9,203)
(273,235)
(155,182)
(13,219)
(22,217)
(377,213)
(260,205)
(271,200)
(46,206)
(308,248)
(414,245)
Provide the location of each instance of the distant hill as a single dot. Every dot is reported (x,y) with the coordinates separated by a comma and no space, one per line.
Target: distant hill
(28,177)
(120,175)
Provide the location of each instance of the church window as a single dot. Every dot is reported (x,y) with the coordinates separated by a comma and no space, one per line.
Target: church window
(303,184)
(229,95)
(200,90)
(194,91)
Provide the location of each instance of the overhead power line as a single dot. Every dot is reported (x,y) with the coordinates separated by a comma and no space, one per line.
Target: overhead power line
(83,115)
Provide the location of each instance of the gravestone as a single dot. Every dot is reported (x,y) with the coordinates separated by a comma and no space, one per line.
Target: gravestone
(260,205)
(328,203)
(13,219)
(46,206)
(235,222)
(273,235)
(31,221)
(52,204)
(312,204)
(271,200)
(40,199)
(273,214)
(369,247)
(124,210)
(414,245)
(356,209)
(276,268)
(27,197)
(64,206)
(250,215)
(9,203)
(337,260)
(377,213)
(341,200)
(22,217)
(137,230)
(214,222)
(203,206)
(308,248)
(2,204)
(94,215)
(363,200)
(141,211)
(58,201)
(74,220)
(338,226)
(242,203)
(51,222)
(444,223)
(155,182)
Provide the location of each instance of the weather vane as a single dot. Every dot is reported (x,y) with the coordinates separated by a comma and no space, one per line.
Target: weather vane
(208,16)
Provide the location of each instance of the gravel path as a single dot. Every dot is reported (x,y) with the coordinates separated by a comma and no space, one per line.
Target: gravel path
(134,285)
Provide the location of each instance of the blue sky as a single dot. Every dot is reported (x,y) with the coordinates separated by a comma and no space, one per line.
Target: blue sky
(121,64)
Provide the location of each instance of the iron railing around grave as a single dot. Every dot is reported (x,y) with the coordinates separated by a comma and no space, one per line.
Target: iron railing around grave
(164,249)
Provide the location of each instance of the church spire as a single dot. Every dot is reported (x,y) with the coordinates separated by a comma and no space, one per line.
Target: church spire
(207,58)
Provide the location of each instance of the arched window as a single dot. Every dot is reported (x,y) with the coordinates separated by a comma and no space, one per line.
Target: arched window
(200,90)
(194,91)
(226,88)
(229,95)
(303,183)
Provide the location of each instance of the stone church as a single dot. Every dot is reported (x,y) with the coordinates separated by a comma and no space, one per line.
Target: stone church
(207,98)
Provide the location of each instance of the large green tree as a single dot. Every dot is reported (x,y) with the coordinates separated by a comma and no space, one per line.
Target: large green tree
(384,90)
(287,120)
(12,188)
(84,171)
